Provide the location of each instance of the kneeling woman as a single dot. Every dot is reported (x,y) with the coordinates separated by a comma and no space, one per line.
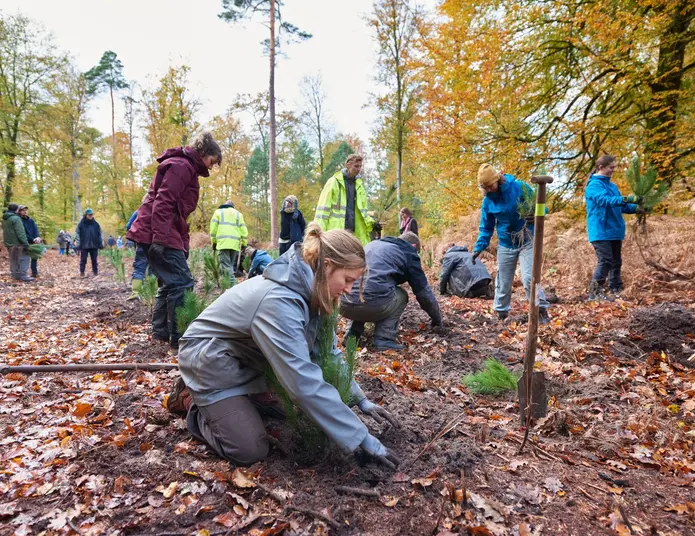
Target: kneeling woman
(273,320)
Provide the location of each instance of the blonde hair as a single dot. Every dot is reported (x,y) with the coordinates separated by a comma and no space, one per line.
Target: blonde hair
(487,176)
(341,249)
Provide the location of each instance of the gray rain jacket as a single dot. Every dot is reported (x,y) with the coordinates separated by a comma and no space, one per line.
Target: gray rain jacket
(266,321)
(459,274)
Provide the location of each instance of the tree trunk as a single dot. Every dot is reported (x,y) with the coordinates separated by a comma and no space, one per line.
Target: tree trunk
(666,86)
(273,130)
(77,199)
(11,169)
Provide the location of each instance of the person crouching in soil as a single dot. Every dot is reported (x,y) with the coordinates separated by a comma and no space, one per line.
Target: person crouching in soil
(273,320)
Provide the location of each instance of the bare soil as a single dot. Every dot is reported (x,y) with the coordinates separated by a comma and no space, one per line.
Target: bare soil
(98,453)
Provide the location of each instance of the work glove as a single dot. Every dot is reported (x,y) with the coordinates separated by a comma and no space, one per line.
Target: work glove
(376,412)
(476,254)
(186,253)
(156,250)
(633,199)
(214,246)
(372,446)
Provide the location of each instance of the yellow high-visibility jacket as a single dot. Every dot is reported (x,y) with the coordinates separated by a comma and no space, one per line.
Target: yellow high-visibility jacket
(228,229)
(332,205)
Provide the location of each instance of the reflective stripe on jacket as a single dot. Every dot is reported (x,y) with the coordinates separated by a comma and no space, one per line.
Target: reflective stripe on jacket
(332,205)
(228,229)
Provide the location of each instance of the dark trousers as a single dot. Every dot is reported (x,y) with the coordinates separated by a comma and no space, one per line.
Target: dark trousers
(283,247)
(173,279)
(385,316)
(93,253)
(34,267)
(609,253)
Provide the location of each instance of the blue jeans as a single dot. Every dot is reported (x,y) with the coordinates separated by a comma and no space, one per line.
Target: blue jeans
(506,266)
(34,267)
(139,263)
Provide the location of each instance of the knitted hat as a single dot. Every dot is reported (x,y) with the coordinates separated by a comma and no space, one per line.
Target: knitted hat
(487,176)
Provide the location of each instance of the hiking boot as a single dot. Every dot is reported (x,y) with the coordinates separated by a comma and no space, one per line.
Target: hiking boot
(386,344)
(81,274)
(543,316)
(136,285)
(596,292)
(502,315)
(268,404)
(349,334)
(179,400)
(174,344)
(161,338)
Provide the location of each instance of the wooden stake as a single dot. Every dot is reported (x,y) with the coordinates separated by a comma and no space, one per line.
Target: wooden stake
(532,408)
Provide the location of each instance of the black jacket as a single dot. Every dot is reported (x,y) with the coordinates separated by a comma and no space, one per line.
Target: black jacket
(459,274)
(89,234)
(391,262)
(31,229)
(292,226)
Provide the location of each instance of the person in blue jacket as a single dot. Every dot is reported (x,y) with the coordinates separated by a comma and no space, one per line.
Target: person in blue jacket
(259,260)
(140,263)
(605,207)
(504,195)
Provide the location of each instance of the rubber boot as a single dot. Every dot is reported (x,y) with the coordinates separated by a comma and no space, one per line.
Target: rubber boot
(596,292)
(386,344)
(135,285)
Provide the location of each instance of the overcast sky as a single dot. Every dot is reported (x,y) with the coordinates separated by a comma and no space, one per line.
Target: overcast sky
(225,59)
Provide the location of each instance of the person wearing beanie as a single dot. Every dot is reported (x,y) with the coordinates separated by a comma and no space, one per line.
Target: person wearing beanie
(504,196)
(88,234)
(292,224)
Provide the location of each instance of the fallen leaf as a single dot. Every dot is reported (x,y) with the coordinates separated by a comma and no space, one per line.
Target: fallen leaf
(424,482)
(81,409)
(241,480)
(229,519)
(400,477)
(481,503)
(553,484)
(679,509)
(389,501)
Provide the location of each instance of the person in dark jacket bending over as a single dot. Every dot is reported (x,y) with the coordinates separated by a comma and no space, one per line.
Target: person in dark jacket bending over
(88,233)
(162,231)
(272,321)
(292,224)
(390,262)
(606,227)
(460,277)
(33,235)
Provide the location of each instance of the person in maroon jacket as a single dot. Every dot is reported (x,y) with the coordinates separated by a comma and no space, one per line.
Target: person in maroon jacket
(162,231)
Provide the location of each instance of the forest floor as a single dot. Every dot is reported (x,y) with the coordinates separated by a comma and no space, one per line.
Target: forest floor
(86,453)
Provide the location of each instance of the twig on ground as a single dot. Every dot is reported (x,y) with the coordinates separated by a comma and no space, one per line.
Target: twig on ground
(586,494)
(439,517)
(358,491)
(448,428)
(73,527)
(597,487)
(536,448)
(624,516)
(290,507)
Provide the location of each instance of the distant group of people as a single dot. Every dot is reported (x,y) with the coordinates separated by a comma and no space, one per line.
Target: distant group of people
(19,232)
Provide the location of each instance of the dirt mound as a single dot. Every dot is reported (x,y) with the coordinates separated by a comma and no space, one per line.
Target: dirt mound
(665,327)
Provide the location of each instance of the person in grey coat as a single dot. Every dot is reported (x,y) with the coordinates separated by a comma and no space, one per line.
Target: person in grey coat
(462,277)
(391,262)
(273,320)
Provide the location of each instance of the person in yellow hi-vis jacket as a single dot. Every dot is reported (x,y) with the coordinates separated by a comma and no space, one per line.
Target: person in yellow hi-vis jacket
(228,234)
(343,202)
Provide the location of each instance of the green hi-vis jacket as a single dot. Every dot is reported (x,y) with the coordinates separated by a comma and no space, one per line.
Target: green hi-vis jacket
(332,205)
(228,229)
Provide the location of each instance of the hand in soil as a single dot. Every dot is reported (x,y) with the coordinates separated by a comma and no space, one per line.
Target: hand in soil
(377,413)
(373,447)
